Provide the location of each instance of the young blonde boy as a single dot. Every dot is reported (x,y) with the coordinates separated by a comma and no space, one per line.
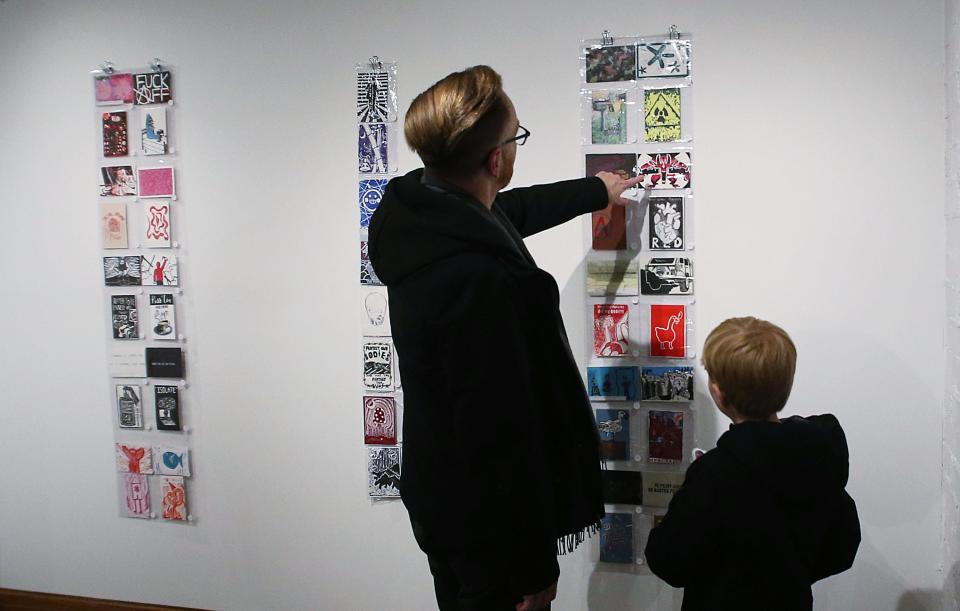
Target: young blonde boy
(765,514)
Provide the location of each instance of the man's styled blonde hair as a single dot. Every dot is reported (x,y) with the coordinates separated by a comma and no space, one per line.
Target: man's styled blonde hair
(753,362)
(455,123)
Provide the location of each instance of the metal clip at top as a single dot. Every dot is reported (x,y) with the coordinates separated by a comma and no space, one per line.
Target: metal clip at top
(156,64)
(674,32)
(606,38)
(107,67)
(375,63)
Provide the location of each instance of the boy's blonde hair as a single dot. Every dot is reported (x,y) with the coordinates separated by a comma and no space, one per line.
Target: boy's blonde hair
(753,362)
(458,120)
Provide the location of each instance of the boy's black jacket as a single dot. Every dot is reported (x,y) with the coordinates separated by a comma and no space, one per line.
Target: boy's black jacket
(500,446)
(760,518)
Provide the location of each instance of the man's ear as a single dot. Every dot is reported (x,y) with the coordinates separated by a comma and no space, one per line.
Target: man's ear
(495,161)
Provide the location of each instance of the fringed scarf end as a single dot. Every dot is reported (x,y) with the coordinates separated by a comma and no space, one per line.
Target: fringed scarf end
(568,543)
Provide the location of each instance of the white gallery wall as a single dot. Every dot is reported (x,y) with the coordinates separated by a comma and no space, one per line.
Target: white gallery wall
(820,205)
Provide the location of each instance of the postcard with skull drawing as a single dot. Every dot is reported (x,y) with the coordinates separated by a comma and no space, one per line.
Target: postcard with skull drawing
(374,311)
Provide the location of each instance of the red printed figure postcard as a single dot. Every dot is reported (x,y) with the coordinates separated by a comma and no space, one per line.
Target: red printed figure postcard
(668,330)
(610,329)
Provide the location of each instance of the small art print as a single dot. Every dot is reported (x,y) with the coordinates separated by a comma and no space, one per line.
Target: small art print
(373,96)
(117,181)
(622,487)
(608,117)
(121,271)
(113,89)
(665,437)
(115,138)
(613,278)
(166,400)
(383,472)
(614,427)
(136,495)
(156,182)
(123,317)
(613,383)
(616,538)
(623,165)
(159,270)
(164,362)
(174,494)
(661,114)
(660,486)
(371,192)
(609,228)
(368,276)
(171,461)
(376,312)
(666,223)
(663,276)
(378,366)
(153,131)
(129,411)
(664,170)
(666,383)
(163,323)
(379,420)
(114,219)
(134,459)
(126,361)
(158,225)
(663,58)
(152,88)
(610,329)
(611,64)
(668,330)
(372,148)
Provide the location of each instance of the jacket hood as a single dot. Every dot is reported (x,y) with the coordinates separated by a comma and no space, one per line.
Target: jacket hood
(415,225)
(800,458)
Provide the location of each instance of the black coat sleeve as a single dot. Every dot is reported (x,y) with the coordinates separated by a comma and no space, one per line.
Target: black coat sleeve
(840,521)
(681,548)
(840,539)
(535,209)
(485,363)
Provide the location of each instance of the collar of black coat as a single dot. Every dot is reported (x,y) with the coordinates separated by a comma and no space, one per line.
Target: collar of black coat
(417,224)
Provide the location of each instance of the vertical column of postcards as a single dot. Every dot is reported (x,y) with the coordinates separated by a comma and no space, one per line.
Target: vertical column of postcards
(636,120)
(382,400)
(138,210)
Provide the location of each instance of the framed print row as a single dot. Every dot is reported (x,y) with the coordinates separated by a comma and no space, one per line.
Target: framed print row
(381,401)
(141,219)
(636,120)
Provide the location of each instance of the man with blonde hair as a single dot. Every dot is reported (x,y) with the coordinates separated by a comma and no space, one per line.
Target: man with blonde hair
(765,514)
(501,463)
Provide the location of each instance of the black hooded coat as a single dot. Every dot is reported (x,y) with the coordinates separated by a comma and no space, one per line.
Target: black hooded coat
(760,518)
(500,446)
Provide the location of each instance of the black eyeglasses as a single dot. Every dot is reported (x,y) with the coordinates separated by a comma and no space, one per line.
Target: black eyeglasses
(521,139)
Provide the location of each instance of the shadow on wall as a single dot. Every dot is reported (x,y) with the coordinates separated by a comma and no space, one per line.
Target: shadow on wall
(947,599)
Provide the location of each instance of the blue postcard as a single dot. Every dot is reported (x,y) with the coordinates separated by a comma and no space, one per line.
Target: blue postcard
(613,383)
